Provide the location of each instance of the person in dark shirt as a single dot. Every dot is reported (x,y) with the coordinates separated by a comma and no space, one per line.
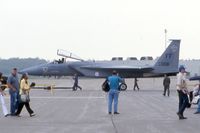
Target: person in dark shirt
(166,84)
(13,85)
(136,84)
(75,86)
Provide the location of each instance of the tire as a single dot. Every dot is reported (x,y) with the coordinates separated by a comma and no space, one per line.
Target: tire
(123,87)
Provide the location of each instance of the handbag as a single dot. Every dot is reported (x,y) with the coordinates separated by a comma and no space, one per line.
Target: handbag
(105,86)
(195,100)
(24,97)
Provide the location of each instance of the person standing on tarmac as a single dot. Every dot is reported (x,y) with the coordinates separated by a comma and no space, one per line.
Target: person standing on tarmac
(136,84)
(75,86)
(113,94)
(166,84)
(182,92)
(196,94)
(4,108)
(13,85)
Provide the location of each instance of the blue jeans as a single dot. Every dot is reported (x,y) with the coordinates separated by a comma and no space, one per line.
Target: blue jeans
(198,108)
(14,102)
(113,95)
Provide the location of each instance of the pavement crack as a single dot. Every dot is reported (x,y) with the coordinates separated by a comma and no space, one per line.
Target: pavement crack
(111,117)
(85,108)
(113,123)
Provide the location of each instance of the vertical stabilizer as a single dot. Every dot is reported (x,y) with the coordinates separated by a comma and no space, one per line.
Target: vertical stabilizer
(169,60)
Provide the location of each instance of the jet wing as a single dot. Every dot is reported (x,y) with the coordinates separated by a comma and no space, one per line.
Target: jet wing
(119,68)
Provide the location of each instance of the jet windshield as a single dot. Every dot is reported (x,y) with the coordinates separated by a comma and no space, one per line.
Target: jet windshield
(67,54)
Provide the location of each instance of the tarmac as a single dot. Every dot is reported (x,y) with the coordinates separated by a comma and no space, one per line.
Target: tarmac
(66,111)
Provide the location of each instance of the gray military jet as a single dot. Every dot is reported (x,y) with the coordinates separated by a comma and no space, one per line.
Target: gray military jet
(166,64)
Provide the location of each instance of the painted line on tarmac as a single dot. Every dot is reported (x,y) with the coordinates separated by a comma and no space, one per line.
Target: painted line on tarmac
(85,108)
(67,98)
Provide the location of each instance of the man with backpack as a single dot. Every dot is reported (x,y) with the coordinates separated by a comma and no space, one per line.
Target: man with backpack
(113,93)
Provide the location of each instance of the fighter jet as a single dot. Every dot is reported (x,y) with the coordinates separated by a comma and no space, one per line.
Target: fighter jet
(166,64)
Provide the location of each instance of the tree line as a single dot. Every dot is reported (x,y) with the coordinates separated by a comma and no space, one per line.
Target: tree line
(6,65)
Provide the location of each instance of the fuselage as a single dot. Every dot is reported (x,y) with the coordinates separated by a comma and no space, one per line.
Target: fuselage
(80,68)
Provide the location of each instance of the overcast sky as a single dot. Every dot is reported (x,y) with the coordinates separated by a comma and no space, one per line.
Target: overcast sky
(98,29)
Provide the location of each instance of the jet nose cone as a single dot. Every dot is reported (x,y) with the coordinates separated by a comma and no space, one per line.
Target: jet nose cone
(27,71)
(35,70)
(21,71)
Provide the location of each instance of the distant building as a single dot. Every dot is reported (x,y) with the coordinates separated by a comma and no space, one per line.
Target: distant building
(146,58)
(132,58)
(192,66)
(117,58)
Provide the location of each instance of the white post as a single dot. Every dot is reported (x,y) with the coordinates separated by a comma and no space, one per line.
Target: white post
(165,38)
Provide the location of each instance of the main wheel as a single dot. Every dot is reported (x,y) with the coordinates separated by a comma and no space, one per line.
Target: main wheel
(123,87)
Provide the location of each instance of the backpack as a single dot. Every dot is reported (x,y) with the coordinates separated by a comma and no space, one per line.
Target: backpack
(105,86)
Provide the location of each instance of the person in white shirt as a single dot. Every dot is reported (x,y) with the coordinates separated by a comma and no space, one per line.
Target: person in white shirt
(196,94)
(182,92)
(3,105)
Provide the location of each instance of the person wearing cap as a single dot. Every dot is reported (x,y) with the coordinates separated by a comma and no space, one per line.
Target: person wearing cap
(13,85)
(182,92)
(113,94)
(24,89)
(2,93)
